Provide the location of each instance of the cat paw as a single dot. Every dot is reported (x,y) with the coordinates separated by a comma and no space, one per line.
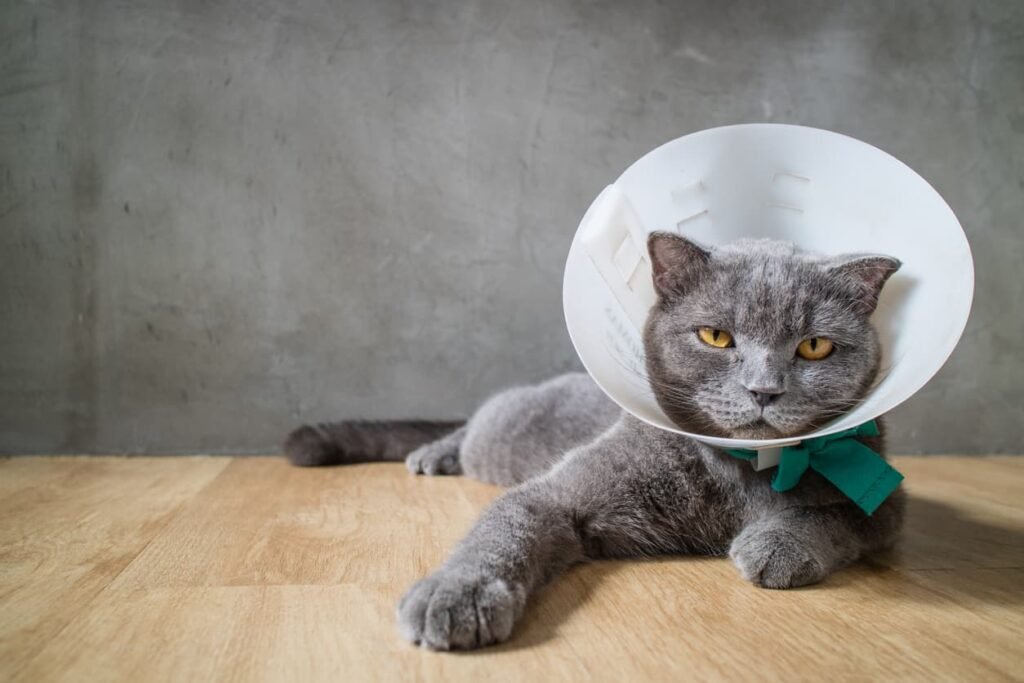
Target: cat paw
(459,611)
(434,458)
(775,558)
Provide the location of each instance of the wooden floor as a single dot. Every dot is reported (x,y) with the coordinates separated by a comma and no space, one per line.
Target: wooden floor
(194,569)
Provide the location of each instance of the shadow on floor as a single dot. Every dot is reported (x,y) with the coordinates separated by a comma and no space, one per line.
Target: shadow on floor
(548,610)
(954,556)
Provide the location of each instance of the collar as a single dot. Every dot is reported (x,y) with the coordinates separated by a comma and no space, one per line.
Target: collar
(859,472)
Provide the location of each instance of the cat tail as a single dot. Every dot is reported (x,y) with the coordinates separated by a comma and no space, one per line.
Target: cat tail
(352,441)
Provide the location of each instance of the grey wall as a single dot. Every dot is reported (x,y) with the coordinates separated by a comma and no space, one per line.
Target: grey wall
(220,218)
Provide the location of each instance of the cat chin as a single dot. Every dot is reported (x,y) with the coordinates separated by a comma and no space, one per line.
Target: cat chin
(763,430)
(756,430)
(759,430)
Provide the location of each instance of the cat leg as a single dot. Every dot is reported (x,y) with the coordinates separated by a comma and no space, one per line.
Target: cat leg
(438,457)
(610,498)
(479,593)
(802,545)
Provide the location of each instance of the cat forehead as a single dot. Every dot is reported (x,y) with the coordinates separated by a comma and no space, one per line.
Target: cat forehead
(772,269)
(768,252)
(766,289)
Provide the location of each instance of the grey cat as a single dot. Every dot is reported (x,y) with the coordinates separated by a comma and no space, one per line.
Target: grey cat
(752,340)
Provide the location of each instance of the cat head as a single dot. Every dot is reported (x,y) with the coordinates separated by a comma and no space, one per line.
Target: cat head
(757,339)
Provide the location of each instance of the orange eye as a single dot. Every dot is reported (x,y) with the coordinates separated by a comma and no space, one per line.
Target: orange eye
(815,348)
(720,339)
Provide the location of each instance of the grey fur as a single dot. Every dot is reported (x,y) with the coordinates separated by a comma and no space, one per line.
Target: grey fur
(592,482)
(522,432)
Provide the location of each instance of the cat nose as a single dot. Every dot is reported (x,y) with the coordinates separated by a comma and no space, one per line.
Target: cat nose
(765,396)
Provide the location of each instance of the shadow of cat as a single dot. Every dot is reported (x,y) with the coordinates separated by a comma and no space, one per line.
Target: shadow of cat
(944,555)
(553,606)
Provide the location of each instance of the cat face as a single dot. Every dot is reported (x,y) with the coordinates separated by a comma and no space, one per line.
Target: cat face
(758,340)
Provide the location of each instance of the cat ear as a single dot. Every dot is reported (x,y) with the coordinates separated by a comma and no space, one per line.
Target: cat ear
(676,263)
(864,276)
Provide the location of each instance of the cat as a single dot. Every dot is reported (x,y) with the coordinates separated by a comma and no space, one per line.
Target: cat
(755,339)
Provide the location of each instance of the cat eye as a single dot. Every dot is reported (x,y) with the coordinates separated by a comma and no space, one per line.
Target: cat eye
(815,348)
(720,339)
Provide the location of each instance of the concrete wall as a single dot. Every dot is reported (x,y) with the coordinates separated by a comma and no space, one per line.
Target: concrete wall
(220,218)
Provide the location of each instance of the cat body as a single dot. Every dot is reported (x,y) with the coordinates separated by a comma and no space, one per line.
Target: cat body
(726,355)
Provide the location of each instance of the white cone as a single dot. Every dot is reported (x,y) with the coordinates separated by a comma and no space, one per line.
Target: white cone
(822,191)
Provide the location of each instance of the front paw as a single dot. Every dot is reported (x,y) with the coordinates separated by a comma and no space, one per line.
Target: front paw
(775,558)
(455,609)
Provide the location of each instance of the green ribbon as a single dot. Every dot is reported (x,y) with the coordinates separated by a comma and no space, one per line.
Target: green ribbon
(861,474)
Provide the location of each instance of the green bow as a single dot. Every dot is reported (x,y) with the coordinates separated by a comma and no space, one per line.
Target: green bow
(861,474)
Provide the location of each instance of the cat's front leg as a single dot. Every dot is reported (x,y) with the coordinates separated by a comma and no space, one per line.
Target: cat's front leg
(522,541)
(801,545)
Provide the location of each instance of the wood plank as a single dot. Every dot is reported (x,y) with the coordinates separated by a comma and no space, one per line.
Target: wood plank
(69,526)
(612,621)
(271,573)
(963,512)
(267,523)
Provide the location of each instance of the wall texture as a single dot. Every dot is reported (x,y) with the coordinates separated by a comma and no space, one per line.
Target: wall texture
(220,218)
